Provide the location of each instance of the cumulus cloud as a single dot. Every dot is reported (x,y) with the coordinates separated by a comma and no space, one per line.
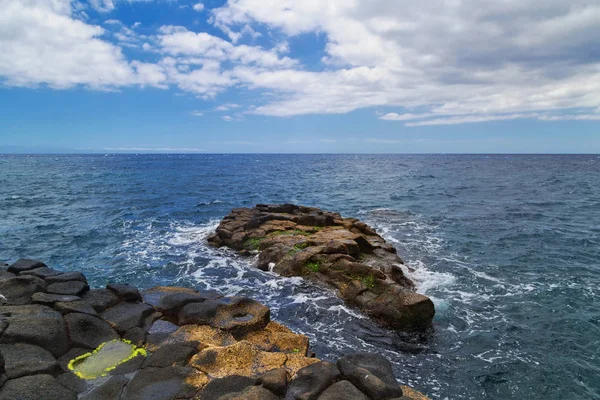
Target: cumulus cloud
(437,62)
(449,58)
(42,43)
(198,7)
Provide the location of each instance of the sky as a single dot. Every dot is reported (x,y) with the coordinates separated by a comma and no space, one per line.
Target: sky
(291,76)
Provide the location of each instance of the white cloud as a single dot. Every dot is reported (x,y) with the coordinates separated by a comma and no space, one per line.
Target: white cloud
(442,62)
(227,107)
(449,58)
(198,7)
(403,117)
(227,118)
(41,43)
(197,113)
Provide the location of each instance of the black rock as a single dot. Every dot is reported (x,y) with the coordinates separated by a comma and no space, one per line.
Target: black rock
(160,384)
(66,277)
(310,381)
(224,386)
(125,292)
(73,382)
(87,331)
(199,313)
(125,316)
(136,336)
(36,387)
(35,324)
(100,299)
(18,290)
(6,275)
(26,359)
(79,306)
(171,354)
(275,381)
(251,393)
(342,390)
(160,331)
(50,299)
(109,390)
(172,303)
(25,265)
(73,288)
(42,272)
(75,352)
(372,374)
(129,366)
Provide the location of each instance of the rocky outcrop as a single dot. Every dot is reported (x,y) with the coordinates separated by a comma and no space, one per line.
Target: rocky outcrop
(343,253)
(193,345)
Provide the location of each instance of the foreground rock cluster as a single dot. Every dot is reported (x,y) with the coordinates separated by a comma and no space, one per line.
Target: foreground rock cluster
(198,345)
(343,253)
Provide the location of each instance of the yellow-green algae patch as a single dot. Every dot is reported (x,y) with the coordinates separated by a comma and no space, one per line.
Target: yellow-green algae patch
(105,358)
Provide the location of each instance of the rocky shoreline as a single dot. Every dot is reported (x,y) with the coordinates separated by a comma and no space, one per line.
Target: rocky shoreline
(61,340)
(342,253)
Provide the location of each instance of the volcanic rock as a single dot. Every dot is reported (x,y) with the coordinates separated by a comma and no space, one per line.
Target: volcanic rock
(325,248)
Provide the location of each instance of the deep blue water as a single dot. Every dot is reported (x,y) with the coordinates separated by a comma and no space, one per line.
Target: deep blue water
(507,246)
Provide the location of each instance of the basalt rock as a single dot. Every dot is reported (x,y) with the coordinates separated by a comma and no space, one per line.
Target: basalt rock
(195,345)
(342,253)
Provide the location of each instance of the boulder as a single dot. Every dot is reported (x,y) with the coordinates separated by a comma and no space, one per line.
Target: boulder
(372,374)
(276,337)
(312,380)
(100,299)
(161,384)
(42,272)
(35,324)
(87,331)
(241,358)
(77,306)
(136,335)
(73,382)
(25,359)
(50,299)
(73,288)
(218,388)
(342,390)
(171,354)
(172,303)
(109,390)
(36,387)
(126,315)
(125,292)
(241,316)
(66,277)
(18,290)
(251,393)
(275,381)
(199,313)
(25,265)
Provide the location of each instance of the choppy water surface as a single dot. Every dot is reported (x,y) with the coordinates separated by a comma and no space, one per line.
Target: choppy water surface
(507,246)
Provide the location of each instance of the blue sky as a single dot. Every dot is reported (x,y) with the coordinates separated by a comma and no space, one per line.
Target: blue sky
(345,76)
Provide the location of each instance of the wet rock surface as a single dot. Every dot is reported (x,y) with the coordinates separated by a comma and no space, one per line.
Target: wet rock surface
(194,345)
(324,247)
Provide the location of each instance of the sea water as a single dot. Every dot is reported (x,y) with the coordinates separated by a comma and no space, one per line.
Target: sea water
(507,246)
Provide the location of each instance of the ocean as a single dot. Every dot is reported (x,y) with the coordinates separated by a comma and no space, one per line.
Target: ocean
(507,246)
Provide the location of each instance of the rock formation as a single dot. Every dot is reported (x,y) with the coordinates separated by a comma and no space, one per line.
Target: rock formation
(191,345)
(343,253)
